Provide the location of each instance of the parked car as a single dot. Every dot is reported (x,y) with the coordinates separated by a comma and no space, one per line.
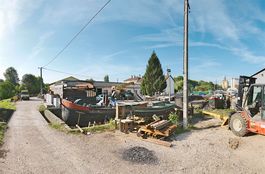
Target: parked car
(24,95)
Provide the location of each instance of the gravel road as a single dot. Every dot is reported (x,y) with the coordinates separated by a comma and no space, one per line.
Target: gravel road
(33,147)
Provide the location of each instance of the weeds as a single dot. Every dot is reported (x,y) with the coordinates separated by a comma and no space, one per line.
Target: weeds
(57,126)
(42,108)
(7,104)
(173,117)
(98,128)
(3,127)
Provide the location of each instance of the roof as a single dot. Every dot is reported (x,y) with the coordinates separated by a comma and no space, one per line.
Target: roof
(166,77)
(133,78)
(106,84)
(258,72)
(70,78)
(85,86)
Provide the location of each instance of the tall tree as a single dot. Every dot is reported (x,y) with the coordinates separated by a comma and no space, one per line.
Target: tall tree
(32,83)
(11,75)
(153,79)
(106,78)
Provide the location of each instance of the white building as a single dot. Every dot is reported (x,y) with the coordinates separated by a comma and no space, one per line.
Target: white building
(170,83)
(234,83)
(260,76)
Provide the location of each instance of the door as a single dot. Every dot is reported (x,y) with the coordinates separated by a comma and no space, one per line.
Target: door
(253,102)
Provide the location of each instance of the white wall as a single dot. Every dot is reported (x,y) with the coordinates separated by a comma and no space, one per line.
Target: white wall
(170,86)
(260,77)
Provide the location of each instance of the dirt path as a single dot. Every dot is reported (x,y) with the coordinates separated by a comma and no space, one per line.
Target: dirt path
(34,147)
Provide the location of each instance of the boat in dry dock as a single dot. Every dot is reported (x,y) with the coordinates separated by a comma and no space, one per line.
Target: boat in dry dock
(82,114)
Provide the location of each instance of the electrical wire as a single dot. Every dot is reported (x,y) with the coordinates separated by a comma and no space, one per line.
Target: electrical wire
(62,72)
(75,36)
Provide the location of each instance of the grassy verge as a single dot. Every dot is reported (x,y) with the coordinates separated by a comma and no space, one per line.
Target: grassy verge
(2,131)
(97,128)
(7,104)
(57,126)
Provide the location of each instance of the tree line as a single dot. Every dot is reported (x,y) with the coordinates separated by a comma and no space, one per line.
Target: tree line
(195,85)
(12,86)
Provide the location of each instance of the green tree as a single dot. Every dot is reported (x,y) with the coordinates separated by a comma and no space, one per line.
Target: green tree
(153,79)
(31,83)
(11,75)
(106,78)
(7,90)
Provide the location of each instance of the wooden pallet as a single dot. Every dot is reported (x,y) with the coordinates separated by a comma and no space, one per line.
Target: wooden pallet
(150,130)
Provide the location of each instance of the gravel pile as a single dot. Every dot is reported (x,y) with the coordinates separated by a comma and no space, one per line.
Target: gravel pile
(139,155)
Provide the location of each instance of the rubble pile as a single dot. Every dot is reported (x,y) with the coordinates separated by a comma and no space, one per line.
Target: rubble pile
(140,155)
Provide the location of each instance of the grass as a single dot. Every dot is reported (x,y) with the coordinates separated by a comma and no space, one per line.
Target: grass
(7,104)
(97,128)
(3,127)
(57,126)
(181,130)
(42,108)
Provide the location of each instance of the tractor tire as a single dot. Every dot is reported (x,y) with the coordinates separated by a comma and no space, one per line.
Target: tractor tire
(238,125)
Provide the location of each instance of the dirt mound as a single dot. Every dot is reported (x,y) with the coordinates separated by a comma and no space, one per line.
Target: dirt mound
(139,155)
(233,143)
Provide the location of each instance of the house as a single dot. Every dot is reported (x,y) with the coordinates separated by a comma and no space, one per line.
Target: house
(260,76)
(73,89)
(105,87)
(134,84)
(134,79)
(170,85)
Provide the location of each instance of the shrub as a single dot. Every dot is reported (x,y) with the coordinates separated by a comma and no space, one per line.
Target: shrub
(173,117)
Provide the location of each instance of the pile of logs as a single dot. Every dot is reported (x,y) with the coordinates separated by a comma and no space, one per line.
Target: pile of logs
(157,129)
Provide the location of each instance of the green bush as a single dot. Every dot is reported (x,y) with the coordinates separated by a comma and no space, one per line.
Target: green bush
(173,117)
(42,108)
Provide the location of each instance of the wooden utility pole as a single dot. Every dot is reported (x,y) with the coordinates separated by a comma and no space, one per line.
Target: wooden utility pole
(185,62)
(169,76)
(41,87)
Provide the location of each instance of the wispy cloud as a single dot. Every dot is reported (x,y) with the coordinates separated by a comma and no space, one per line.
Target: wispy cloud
(13,13)
(40,45)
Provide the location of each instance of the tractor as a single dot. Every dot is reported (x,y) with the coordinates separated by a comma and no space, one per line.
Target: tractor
(250,115)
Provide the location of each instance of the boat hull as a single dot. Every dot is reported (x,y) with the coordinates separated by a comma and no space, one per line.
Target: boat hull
(83,118)
(74,114)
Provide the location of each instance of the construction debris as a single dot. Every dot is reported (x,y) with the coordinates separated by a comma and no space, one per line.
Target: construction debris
(159,142)
(158,128)
(140,155)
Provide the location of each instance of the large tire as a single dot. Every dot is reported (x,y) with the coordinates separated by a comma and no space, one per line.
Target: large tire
(238,125)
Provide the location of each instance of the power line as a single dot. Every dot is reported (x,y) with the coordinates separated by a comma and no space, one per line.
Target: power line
(62,72)
(75,36)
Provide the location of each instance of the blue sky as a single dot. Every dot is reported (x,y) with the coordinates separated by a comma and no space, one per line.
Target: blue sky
(226,37)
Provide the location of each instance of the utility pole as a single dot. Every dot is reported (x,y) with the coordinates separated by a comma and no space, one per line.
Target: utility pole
(41,90)
(185,62)
(169,76)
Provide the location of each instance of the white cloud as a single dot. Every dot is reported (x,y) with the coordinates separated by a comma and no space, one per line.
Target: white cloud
(212,16)
(13,13)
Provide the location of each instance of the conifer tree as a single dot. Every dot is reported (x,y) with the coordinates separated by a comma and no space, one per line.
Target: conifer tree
(153,79)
